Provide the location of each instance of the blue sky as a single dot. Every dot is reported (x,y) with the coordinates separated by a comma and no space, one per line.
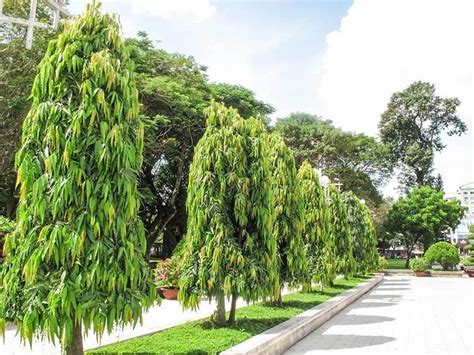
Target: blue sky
(335,58)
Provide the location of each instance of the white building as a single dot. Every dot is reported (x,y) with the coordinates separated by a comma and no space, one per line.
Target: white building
(464,194)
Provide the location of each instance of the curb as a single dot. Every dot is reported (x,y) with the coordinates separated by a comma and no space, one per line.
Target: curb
(281,337)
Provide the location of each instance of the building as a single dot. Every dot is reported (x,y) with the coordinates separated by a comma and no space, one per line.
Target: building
(464,194)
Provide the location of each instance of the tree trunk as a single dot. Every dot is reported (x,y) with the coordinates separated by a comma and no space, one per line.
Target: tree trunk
(407,262)
(233,309)
(220,311)
(76,347)
(307,287)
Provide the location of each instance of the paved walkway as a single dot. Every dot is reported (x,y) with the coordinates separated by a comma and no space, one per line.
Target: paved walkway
(402,315)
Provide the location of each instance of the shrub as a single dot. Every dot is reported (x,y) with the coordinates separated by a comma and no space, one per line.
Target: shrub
(167,272)
(443,253)
(420,264)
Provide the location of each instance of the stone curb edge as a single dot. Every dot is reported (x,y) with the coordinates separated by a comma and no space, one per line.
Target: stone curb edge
(278,339)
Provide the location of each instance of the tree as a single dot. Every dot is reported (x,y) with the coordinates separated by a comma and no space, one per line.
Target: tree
(230,249)
(443,253)
(359,161)
(343,254)
(17,70)
(174,91)
(316,228)
(364,239)
(423,216)
(76,257)
(288,208)
(412,127)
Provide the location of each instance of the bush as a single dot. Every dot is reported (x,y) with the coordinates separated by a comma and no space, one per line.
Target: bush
(443,253)
(420,264)
(383,263)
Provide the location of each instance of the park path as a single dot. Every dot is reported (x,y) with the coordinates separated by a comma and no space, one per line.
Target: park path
(166,315)
(402,315)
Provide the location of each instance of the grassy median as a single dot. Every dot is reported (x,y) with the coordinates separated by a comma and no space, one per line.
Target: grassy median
(204,337)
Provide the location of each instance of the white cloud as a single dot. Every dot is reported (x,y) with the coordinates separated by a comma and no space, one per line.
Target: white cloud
(381,47)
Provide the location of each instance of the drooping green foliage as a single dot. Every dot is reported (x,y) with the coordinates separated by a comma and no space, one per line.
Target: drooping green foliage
(288,207)
(316,227)
(6,226)
(77,254)
(364,239)
(343,254)
(230,248)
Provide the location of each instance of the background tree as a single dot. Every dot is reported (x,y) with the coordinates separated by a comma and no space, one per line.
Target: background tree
(77,256)
(343,254)
(423,217)
(316,228)
(412,127)
(359,161)
(174,90)
(17,70)
(230,249)
(364,239)
(288,207)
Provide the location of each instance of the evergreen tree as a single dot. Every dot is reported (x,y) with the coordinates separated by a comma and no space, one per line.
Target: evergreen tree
(288,207)
(364,239)
(343,256)
(316,228)
(76,257)
(230,249)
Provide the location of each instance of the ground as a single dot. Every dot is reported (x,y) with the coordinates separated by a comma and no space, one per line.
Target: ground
(403,315)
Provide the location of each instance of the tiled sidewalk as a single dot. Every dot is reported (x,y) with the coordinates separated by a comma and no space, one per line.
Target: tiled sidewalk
(403,315)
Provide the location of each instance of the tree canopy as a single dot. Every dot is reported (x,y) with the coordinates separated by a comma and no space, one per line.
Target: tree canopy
(359,161)
(230,249)
(76,257)
(412,128)
(422,217)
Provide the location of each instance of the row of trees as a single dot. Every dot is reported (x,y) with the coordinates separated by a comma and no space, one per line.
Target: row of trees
(255,222)
(76,257)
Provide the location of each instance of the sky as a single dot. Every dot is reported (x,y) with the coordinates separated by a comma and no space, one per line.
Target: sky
(340,59)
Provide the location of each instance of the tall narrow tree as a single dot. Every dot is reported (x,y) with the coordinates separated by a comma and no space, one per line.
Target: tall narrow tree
(230,248)
(316,228)
(288,207)
(76,258)
(364,239)
(343,255)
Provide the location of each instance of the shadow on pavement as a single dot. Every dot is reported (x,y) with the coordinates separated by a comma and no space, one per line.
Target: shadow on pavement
(372,304)
(363,319)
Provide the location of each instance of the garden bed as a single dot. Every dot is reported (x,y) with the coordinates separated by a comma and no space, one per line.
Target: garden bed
(204,336)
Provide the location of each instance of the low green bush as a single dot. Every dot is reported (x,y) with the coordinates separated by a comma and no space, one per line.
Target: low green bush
(443,253)
(420,264)
(383,263)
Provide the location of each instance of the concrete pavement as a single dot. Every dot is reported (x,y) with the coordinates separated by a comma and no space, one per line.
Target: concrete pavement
(403,315)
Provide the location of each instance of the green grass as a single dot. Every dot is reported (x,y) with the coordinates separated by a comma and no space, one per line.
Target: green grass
(395,264)
(204,337)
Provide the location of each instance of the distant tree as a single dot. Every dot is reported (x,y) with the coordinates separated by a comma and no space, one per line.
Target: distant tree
(240,98)
(412,127)
(316,228)
(359,161)
(364,239)
(288,207)
(343,253)
(230,249)
(423,216)
(76,258)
